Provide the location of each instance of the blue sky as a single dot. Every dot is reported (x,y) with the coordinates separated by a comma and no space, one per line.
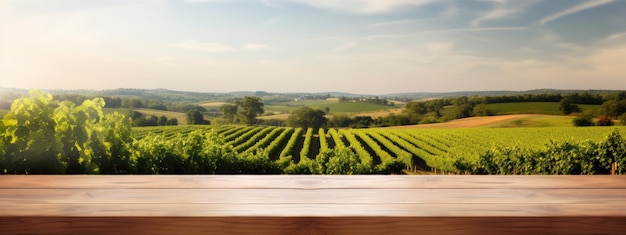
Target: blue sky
(358,46)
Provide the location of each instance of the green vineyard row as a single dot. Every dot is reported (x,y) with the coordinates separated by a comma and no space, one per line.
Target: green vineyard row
(421,148)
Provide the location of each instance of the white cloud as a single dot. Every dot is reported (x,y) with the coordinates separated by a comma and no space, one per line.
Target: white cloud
(504,9)
(580,7)
(259,47)
(203,46)
(363,6)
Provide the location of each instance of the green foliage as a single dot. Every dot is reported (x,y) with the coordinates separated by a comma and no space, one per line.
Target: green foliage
(583,120)
(481,110)
(306,117)
(308,137)
(196,117)
(29,136)
(567,106)
(604,121)
(229,111)
(251,107)
(40,135)
(139,119)
(75,131)
(289,148)
(622,119)
(556,159)
(197,153)
(616,106)
(462,108)
(340,161)
(323,140)
(116,131)
(275,148)
(342,120)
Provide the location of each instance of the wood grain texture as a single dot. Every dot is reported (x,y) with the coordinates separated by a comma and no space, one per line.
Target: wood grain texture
(313,182)
(190,204)
(312,225)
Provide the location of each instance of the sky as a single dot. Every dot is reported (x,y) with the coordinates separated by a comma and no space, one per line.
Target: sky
(357,46)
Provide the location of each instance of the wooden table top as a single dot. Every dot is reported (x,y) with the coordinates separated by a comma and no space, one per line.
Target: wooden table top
(311,196)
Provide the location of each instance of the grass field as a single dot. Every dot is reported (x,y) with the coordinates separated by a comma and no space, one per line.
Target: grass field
(333,105)
(215,104)
(535,121)
(501,121)
(551,108)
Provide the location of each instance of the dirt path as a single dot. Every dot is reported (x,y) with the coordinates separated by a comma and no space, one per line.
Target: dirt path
(469,122)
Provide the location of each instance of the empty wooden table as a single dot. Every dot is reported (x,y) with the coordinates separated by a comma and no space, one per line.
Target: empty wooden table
(247,204)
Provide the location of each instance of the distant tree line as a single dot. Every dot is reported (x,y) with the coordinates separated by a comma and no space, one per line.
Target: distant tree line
(614,107)
(138,119)
(432,111)
(132,103)
(370,100)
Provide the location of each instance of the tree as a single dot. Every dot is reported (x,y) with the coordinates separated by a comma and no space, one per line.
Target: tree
(339,120)
(172,122)
(196,117)
(251,108)
(622,119)
(567,106)
(616,106)
(604,121)
(162,120)
(481,110)
(362,122)
(583,120)
(306,117)
(462,107)
(229,111)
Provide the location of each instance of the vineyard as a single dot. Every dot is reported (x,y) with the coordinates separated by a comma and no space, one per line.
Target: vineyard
(41,136)
(424,149)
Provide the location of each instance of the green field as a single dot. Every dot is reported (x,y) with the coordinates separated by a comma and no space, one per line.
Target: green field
(539,121)
(424,148)
(551,108)
(333,105)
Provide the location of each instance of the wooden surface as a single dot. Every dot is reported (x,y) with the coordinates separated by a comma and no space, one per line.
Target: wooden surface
(191,204)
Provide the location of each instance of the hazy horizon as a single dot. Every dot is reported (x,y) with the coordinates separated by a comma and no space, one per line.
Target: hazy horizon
(354,46)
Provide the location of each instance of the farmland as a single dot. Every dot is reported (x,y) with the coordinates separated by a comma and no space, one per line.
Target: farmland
(422,148)
(540,143)
(550,108)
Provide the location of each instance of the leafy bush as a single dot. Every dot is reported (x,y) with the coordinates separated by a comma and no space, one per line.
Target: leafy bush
(604,121)
(583,120)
